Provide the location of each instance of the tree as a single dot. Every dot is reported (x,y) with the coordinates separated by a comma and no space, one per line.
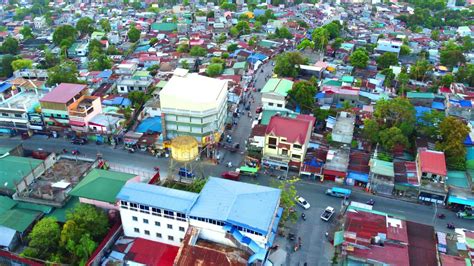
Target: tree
(43,239)
(232,47)
(466,74)
(26,32)
(100,63)
(243,27)
(288,63)
(138,98)
(7,69)
(197,51)
(85,25)
(452,55)
(386,60)
(105,25)
(133,34)
(405,50)
(64,72)
(435,35)
(359,58)
(90,219)
(10,46)
(214,70)
(428,124)
(185,64)
(22,64)
(419,69)
(221,39)
(283,33)
(467,44)
(64,32)
(447,80)
(287,198)
(182,48)
(257,26)
(320,38)
(305,43)
(334,29)
(49,61)
(392,137)
(302,94)
(389,77)
(453,133)
(337,43)
(371,130)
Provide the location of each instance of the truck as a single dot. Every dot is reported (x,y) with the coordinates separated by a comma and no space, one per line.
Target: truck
(466,214)
(327,213)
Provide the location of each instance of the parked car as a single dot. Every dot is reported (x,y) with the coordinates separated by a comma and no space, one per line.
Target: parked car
(79,141)
(302,202)
(231,175)
(327,213)
(183,172)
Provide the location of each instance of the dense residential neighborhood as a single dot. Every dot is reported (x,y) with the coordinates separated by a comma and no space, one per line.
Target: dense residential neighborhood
(330,132)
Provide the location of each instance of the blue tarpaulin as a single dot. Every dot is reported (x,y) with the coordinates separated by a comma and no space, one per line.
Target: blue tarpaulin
(151,124)
(420,110)
(320,95)
(5,86)
(465,103)
(468,141)
(460,200)
(438,105)
(256,57)
(361,177)
(118,101)
(105,74)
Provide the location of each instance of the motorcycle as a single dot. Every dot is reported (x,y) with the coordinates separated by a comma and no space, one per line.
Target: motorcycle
(291,236)
(156,168)
(75,152)
(450,226)
(371,202)
(441,216)
(303,216)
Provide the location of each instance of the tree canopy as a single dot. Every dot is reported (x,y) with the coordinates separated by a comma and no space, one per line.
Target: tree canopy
(386,60)
(359,58)
(197,51)
(214,70)
(85,25)
(453,133)
(302,94)
(419,70)
(43,239)
(133,34)
(320,38)
(452,55)
(66,71)
(22,64)
(287,64)
(7,68)
(27,32)
(10,46)
(105,25)
(64,33)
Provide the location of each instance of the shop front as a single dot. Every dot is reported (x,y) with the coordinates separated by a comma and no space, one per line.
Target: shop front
(357,179)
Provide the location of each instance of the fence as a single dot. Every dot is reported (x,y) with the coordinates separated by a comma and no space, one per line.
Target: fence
(108,241)
(145,175)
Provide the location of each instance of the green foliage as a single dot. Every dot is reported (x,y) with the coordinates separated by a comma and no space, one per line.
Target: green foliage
(85,25)
(405,50)
(466,75)
(257,26)
(228,6)
(386,60)
(337,43)
(320,38)
(43,239)
(133,34)
(100,63)
(183,48)
(305,43)
(241,28)
(389,77)
(467,44)
(452,55)
(453,133)
(197,51)
(185,64)
(392,137)
(419,69)
(105,25)
(221,39)
(138,98)
(49,61)
(10,46)
(7,69)
(214,70)
(359,58)
(22,64)
(232,47)
(287,64)
(446,80)
(302,94)
(64,32)
(429,122)
(435,35)
(63,72)
(26,32)
(283,33)
(90,219)
(287,198)
(334,29)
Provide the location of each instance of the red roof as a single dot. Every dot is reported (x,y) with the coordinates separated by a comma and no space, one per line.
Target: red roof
(294,130)
(63,93)
(365,225)
(308,118)
(388,254)
(448,260)
(432,162)
(152,253)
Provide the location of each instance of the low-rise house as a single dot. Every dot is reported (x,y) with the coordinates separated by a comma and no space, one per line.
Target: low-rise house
(82,111)
(78,49)
(125,69)
(336,165)
(384,45)
(275,91)
(343,130)
(128,84)
(381,177)
(54,105)
(286,141)
(421,98)
(431,173)
(39,23)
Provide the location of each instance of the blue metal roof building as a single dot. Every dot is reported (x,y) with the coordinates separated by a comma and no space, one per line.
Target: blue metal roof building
(241,204)
(158,197)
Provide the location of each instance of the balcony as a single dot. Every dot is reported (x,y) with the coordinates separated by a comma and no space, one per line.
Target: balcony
(83,107)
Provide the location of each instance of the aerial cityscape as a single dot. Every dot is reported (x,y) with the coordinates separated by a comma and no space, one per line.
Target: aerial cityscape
(234,133)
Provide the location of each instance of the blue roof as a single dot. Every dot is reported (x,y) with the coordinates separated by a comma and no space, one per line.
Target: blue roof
(5,86)
(470,153)
(152,124)
(358,176)
(258,12)
(142,48)
(460,200)
(242,204)
(118,101)
(105,74)
(320,95)
(420,110)
(438,105)
(465,103)
(158,197)
(256,57)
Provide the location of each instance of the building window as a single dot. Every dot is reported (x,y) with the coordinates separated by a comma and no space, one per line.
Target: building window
(124,204)
(134,218)
(144,209)
(284,152)
(279,105)
(157,223)
(180,240)
(158,235)
(169,214)
(181,216)
(17,115)
(170,238)
(170,226)
(270,104)
(136,230)
(181,229)
(145,221)
(147,232)
(5,114)
(295,156)
(297,146)
(272,142)
(133,206)
(156,211)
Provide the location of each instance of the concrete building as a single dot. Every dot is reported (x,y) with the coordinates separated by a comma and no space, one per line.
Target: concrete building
(54,105)
(431,172)
(286,141)
(234,214)
(343,130)
(194,105)
(82,111)
(384,46)
(39,23)
(129,84)
(275,91)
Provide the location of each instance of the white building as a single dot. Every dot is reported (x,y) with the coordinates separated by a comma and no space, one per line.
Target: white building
(227,212)
(194,105)
(384,46)
(39,23)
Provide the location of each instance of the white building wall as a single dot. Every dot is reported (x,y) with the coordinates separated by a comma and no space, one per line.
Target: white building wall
(129,226)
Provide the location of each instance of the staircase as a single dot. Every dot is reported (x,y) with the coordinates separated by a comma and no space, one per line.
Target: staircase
(247,244)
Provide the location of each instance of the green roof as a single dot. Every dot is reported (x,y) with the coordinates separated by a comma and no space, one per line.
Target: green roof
(101,185)
(164,26)
(34,207)
(380,167)
(420,95)
(267,114)
(347,79)
(228,71)
(240,65)
(278,86)
(457,179)
(332,82)
(141,74)
(15,215)
(97,35)
(14,168)
(60,213)
(267,43)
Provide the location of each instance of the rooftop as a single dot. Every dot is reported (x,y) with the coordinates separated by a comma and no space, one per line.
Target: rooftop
(343,130)
(380,167)
(157,196)
(294,130)
(278,86)
(63,93)
(432,162)
(14,168)
(16,217)
(248,205)
(24,100)
(101,185)
(337,159)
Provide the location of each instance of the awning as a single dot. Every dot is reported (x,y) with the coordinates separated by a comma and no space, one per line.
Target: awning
(76,123)
(334,173)
(361,177)
(461,200)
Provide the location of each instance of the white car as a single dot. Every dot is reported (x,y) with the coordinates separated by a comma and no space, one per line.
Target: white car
(302,202)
